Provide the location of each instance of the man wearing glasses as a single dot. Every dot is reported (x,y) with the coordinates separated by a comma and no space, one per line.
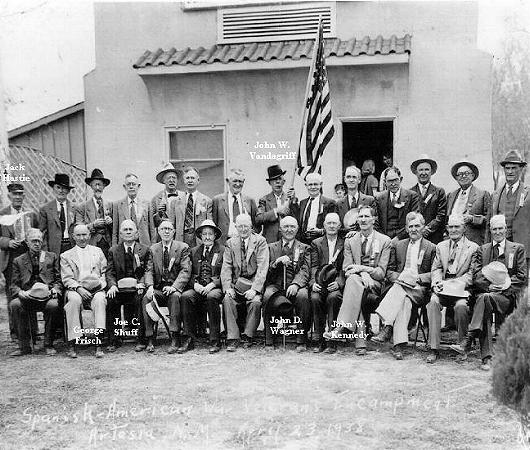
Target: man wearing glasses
(469,201)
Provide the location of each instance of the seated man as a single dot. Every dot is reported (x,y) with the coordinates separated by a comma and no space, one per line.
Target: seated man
(35,286)
(452,274)
(168,279)
(204,286)
(327,251)
(409,270)
(127,265)
(366,257)
(498,284)
(290,262)
(83,274)
(243,274)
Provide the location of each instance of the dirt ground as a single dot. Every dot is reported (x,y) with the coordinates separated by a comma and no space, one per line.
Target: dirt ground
(251,399)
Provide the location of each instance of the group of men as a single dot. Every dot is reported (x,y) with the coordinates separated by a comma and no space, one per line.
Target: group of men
(295,264)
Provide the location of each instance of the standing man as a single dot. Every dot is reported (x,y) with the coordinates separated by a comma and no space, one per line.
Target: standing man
(366,257)
(469,201)
(36,286)
(513,200)
(275,205)
(409,270)
(229,205)
(128,262)
(168,279)
(433,202)
(353,198)
(313,210)
(189,209)
(96,213)
(394,204)
(452,273)
(132,208)
(204,286)
(56,217)
(289,274)
(388,161)
(327,252)
(83,275)
(503,275)
(12,239)
(243,274)
(160,204)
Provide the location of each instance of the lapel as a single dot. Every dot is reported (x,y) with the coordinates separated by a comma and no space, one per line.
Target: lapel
(385,204)
(445,250)
(462,250)
(509,255)
(121,256)
(225,205)
(42,258)
(270,199)
(325,249)
(140,208)
(251,247)
(356,248)
(74,257)
(157,257)
(237,251)
(487,256)
(450,201)
(403,198)
(52,207)
(471,198)
(521,191)
(124,206)
(402,256)
(423,249)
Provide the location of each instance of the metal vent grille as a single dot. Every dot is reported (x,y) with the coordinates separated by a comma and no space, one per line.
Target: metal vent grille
(274,23)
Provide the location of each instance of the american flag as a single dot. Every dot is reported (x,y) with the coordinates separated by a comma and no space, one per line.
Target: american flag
(317,125)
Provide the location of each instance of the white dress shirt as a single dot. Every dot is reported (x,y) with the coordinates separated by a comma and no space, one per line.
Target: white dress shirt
(313,215)
(513,188)
(351,198)
(413,251)
(460,206)
(331,247)
(231,206)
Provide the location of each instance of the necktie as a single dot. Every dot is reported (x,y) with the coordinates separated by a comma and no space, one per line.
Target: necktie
(452,258)
(363,246)
(353,202)
(133,212)
(243,257)
(496,251)
(129,251)
(423,191)
(461,203)
(165,260)
(307,213)
(188,217)
(206,254)
(62,219)
(408,260)
(235,208)
(101,213)
(129,262)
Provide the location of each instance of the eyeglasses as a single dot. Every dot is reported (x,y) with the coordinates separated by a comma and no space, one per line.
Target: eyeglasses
(166,229)
(464,174)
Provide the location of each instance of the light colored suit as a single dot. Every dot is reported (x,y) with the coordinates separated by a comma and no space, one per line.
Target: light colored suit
(257,260)
(354,292)
(466,265)
(202,210)
(155,218)
(121,212)
(221,215)
(70,274)
(50,224)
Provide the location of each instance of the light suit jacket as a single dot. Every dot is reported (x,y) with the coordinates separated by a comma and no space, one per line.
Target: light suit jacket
(466,261)
(121,212)
(7,255)
(87,213)
(177,212)
(70,267)
(379,251)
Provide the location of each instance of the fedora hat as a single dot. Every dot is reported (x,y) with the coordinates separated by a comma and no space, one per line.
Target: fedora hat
(90,283)
(497,274)
(97,175)
(127,284)
(424,159)
(166,169)
(408,278)
(513,157)
(459,164)
(326,275)
(454,288)
(350,218)
(242,285)
(274,172)
(62,179)
(208,223)
(39,291)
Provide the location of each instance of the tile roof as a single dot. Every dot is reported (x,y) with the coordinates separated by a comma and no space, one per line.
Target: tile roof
(267,51)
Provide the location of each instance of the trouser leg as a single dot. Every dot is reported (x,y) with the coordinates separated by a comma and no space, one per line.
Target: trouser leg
(213,299)
(253,316)
(189,302)
(72,310)
(302,307)
(230,309)
(333,304)
(51,317)
(400,330)
(461,318)
(21,323)
(434,313)
(319,312)
(175,312)
(351,302)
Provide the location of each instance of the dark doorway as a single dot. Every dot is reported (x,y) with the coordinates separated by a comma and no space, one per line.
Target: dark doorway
(367,140)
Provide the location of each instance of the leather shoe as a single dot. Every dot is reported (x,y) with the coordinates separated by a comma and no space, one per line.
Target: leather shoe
(172,349)
(71,353)
(19,352)
(247,343)
(384,335)
(50,351)
(330,349)
(140,347)
(214,348)
(188,344)
(111,348)
(99,352)
(150,348)
(433,356)
(231,346)
(320,347)
(300,348)
(486,365)
(397,353)
(360,352)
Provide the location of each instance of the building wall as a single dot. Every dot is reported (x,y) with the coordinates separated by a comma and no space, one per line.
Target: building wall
(440,100)
(63,138)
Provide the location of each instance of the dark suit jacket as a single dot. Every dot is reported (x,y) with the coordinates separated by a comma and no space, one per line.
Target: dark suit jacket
(221,216)
(155,218)
(410,202)
(87,213)
(514,260)
(364,200)
(301,269)
(51,227)
(398,259)
(268,219)
(179,261)
(434,209)
(320,257)
(142,263)
(326,206)
(7,255)
(196,259)
(521,218)
(478,205)
(48,270)
(257,262)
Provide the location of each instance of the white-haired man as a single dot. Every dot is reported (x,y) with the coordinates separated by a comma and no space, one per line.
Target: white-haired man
(83,274)
(313,210)
(452,273)
(228,206)
(497,287)
(354,198)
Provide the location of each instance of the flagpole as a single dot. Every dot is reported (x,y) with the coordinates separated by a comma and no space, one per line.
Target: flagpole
(306,96)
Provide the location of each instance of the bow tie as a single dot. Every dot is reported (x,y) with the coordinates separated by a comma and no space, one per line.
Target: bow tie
(171,195)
